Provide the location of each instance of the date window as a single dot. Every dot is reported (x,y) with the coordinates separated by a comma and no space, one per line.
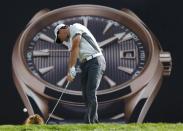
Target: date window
(129,54)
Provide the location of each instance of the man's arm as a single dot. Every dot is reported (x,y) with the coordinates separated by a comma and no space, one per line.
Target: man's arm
(74,54)
(74,51)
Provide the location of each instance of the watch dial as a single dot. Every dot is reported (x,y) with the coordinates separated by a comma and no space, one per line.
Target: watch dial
(125,54)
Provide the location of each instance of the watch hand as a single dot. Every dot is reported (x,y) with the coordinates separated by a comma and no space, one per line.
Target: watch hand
(126,37)
(109,40)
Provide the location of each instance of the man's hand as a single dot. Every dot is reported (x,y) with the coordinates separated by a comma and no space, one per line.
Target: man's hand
(69,78)
(71,74)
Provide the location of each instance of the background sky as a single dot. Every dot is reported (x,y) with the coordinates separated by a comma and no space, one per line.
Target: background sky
(164,18)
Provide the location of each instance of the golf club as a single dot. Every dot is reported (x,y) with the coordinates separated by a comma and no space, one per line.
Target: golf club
(57,102)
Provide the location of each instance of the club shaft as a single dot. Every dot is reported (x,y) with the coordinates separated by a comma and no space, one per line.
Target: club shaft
(57,102)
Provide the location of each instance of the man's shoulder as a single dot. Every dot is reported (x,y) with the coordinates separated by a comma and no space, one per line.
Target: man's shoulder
(77,28)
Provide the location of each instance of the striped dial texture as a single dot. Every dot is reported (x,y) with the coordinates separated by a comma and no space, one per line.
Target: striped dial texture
(125,53)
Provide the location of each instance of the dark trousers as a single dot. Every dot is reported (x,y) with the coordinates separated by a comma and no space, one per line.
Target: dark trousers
(91,76)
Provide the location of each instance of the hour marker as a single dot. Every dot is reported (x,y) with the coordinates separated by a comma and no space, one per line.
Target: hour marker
(62,81)
(109,81)
(35,73)
(45,38)
(44,52)
(108,25)
(85,21)
(130,54)
(126,69)
(121,115)
(45,69)
(127,37)
(56,117)
(136,73)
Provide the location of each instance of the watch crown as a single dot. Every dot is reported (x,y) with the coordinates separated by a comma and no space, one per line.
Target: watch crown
(166,60)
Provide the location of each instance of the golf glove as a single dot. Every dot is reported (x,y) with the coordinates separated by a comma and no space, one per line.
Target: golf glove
(72,72)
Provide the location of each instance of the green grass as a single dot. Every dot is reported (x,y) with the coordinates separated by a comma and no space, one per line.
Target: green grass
(96,127)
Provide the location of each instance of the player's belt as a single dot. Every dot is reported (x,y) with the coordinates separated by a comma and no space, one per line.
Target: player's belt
(91,57)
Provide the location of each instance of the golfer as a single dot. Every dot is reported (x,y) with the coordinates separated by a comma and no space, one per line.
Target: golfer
(82,45)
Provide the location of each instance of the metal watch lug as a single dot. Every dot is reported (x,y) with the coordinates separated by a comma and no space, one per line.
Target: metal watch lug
(166,60)
(132,14)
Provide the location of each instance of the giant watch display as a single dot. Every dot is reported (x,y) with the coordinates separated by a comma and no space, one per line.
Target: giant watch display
(135,62)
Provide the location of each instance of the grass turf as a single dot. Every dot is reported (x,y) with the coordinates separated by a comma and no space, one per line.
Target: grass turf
(96,127)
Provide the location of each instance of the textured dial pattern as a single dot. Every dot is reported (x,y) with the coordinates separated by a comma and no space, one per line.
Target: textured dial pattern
(125,53)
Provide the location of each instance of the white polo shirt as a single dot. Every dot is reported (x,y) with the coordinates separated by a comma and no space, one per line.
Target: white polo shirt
(85,49)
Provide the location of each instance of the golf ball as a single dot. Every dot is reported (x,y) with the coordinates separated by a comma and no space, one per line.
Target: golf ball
(24,110)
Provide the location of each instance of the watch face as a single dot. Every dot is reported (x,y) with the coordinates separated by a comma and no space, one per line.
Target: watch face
(125,45)
(123,50)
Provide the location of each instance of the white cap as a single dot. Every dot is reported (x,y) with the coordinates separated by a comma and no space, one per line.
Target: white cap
(57,28)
